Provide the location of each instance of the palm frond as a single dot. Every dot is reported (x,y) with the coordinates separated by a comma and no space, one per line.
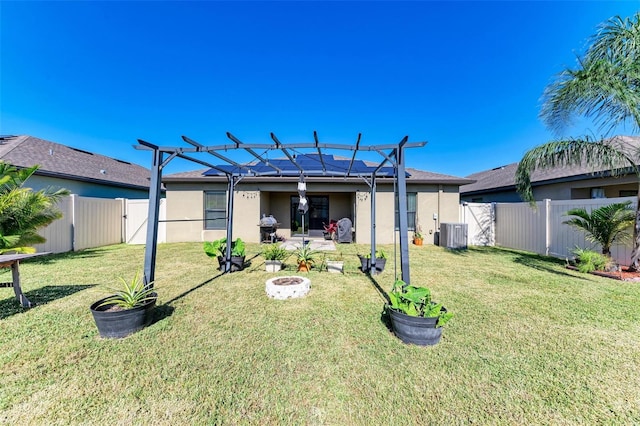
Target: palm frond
(595,154)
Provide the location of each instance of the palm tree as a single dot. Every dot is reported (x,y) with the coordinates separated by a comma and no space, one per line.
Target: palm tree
(605,224)
(606,88)
(24,211)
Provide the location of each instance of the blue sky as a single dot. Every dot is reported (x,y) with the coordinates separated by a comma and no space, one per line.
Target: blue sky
(464,76)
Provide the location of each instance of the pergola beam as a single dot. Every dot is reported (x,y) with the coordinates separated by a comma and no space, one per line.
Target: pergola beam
(252,152)
(355,151)
(159,162)
(315,136)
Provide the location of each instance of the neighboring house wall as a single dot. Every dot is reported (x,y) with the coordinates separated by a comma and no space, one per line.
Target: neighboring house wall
(86,189)
(570,189)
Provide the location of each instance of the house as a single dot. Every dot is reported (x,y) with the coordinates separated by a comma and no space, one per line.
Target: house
(196,204)
(81,172)
(562,183)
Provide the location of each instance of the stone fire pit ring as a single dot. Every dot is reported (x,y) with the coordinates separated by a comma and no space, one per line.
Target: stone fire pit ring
(288,287)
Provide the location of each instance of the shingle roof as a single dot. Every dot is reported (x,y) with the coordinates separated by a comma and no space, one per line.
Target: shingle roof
(503,178)
(70,163)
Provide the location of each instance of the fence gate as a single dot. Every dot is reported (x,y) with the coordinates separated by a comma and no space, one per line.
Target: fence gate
(136,212)
(480,219)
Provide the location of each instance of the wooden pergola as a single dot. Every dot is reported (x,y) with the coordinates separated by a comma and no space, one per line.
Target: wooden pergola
(391,166)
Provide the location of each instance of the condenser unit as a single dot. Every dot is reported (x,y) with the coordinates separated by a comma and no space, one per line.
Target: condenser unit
(453,235)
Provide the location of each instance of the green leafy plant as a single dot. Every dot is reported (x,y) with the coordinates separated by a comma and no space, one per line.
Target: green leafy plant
(588,260)
(418,232)
(275,252)
(304,254)
(24,211)
(132,294)
(380,254)
(219,248)
(603,88)
(605,224)
(416,302)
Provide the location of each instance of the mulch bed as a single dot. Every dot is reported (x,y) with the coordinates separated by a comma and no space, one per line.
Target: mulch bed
(623,275)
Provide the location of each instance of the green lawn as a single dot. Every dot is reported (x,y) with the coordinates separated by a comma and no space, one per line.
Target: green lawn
(531,343)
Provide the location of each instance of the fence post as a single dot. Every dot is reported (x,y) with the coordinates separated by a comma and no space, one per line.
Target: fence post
(73,198)
(547,226)
(123,220)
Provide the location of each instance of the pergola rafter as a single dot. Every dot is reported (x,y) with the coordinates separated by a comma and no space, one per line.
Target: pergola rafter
(234,171)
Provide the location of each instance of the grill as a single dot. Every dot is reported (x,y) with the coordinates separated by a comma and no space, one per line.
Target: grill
(268,227)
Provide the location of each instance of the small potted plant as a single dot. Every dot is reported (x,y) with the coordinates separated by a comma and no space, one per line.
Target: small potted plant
(381,261)
(335,264)
(305,258)
(218,249)
(126,311)
(417,236)
(415,318)
(274,254)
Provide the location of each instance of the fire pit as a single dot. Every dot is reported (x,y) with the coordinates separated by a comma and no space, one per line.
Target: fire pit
(289,287)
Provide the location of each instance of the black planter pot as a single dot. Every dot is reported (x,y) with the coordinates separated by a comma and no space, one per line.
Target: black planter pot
(417,330)
(237,263)
(119,324)
(365,264)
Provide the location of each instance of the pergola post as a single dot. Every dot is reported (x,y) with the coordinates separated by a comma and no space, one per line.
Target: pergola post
(402,212)
(152,219)
(230,189)
(372,268)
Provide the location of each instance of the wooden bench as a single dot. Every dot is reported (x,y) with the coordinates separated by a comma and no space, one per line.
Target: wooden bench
(13,261)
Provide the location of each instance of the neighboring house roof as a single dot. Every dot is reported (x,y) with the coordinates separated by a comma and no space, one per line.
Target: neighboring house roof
(503,178)
(415,176)
(64,162)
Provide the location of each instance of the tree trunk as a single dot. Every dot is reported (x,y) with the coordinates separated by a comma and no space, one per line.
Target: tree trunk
(635,253)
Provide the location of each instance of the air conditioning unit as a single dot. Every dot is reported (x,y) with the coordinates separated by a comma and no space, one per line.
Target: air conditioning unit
(453,235)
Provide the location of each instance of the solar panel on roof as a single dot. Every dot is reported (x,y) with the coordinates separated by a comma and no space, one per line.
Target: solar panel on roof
(310,163)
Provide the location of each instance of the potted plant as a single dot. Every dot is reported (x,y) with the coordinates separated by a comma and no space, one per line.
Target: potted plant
(381,261)
(305,258)
(274,254)
(417,236)
(335,264)
(218,248)
(415,318)
(126,311)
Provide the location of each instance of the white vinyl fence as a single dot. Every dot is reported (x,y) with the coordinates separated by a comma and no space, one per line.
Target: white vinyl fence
(540,230)
(94,222)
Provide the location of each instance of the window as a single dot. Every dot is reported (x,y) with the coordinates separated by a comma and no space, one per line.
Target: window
(628,193)
(411,212)
(215,210)
(597,193)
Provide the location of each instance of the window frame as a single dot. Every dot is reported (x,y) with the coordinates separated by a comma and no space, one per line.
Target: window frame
(411,224)
(205,210)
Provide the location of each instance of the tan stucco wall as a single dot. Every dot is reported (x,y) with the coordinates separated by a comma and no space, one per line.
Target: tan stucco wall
(185,201)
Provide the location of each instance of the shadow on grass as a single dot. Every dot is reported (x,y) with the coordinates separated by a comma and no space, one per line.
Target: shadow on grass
(55,257)
(41,296)
(541,263)
(161,312)
(191,290)
(457,252)
(384,315)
